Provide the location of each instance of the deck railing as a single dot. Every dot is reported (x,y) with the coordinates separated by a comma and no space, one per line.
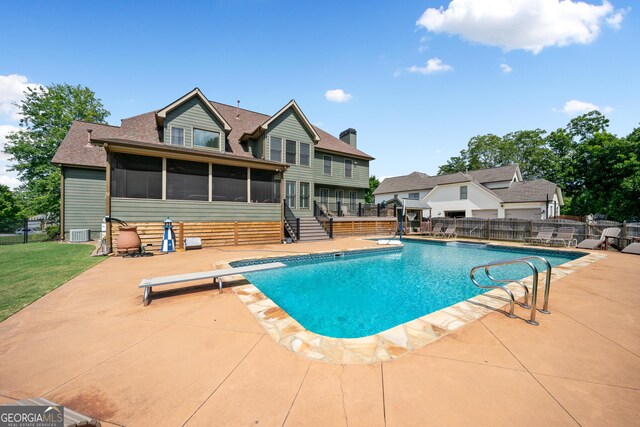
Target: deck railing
(347,209)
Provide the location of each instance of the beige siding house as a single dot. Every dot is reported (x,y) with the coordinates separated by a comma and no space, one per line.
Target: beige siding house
(486,193)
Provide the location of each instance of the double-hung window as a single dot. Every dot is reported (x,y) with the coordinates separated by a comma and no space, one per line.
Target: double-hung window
(327,165)
(276,149)
(177,136)
(352,200)
(414,196)
(304,195)
(290,153)
(463,192)
(305,154)
(206,138)
(348,168)
(291,194)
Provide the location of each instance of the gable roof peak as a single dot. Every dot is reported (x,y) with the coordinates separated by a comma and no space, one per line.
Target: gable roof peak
(196,92)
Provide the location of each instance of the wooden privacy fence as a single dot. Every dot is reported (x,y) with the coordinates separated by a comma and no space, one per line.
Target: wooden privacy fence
(518,229)
(211,233)
(362,227)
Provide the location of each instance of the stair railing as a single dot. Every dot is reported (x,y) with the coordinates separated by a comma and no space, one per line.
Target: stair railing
(292,223)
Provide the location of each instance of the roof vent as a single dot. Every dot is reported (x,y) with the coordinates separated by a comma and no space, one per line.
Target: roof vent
(238,110)
(349,136)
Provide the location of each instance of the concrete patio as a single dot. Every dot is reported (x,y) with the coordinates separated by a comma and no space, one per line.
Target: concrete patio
(201,358)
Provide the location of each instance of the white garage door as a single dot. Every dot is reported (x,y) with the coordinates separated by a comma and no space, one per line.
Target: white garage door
(531,213)
(485,213)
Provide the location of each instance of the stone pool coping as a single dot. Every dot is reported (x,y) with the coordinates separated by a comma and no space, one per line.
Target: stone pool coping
(391,343)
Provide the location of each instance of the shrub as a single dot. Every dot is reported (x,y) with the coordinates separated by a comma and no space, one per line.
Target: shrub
(53,231)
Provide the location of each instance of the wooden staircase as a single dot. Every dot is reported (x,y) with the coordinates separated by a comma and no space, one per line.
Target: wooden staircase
(311,229)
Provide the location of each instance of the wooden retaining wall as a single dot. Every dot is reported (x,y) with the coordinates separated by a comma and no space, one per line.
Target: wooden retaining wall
(211,233)
(359,227)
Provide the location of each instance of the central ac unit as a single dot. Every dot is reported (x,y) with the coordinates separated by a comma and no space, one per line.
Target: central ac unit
(81,235)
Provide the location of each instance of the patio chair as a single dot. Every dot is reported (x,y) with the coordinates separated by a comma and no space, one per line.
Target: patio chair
(324,211)
(633,248)
(449,233)
(545,234)
(437,228)
(564,237)
(603,241)
(344,210)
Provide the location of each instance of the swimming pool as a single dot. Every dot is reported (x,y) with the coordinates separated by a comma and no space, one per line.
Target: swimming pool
(361,294)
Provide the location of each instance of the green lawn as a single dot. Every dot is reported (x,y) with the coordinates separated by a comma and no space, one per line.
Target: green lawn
(27,272)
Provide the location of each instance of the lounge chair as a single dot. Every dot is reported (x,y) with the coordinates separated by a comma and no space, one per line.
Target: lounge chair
(324,211)
(344,211)
(564,237)
(450,232)
(435,230)
(633,248)
(545,234)
(603,241)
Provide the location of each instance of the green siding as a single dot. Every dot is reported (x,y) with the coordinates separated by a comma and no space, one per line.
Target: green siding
(289,126)
(192,114)
(360,171)
(141,210)
(84,199)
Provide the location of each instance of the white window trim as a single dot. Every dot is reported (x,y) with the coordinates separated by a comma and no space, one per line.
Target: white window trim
(324,156)
(320,190)
(295,192)
(345,168)
(282,148)
(300,154)
(308,195)
(171,136)
(284,151)
(193,139)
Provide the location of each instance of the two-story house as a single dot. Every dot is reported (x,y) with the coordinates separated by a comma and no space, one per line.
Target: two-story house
(498,192)
(218,168)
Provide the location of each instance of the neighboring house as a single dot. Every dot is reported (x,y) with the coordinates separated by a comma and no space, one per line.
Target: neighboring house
(486,193)
(201,161)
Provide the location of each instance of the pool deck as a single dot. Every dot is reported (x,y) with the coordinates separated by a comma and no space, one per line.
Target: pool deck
(201,358)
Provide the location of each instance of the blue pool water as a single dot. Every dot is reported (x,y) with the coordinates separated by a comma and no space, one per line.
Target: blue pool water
(360,295)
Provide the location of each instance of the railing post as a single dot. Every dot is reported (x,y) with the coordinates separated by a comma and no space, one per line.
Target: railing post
(359,209)
(331,228)
(339,206)
(315,208)
(297,228)
(378,209)
(25,231)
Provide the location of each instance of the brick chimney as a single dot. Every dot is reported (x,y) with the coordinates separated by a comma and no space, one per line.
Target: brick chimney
(349,136)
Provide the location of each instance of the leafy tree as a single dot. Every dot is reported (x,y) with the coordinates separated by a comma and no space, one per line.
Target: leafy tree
(47,114)
(597,171)
(368,193)
(9,209)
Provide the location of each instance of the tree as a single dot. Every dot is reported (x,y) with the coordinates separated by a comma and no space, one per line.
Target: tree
(47,114)
(9,209)
(368,193)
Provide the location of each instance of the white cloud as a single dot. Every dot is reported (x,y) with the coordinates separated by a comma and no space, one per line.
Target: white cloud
(4,131)
(575,107)
(506,68)
(530,25)
(433,65)
(615,20)
(337,95)
(10,181)
(12,89)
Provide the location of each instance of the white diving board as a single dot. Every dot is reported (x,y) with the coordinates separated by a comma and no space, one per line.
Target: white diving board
(148,284)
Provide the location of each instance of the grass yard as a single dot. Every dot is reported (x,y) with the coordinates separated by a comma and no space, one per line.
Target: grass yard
(27,272)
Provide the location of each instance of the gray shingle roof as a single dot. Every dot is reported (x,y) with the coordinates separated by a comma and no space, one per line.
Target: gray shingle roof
(421,181)
(143,128)
(527,191)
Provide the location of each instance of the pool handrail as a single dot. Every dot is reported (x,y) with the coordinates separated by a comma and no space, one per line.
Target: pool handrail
(534,290)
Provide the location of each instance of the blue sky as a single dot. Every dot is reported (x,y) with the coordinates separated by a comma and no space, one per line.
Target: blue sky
(416,84)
